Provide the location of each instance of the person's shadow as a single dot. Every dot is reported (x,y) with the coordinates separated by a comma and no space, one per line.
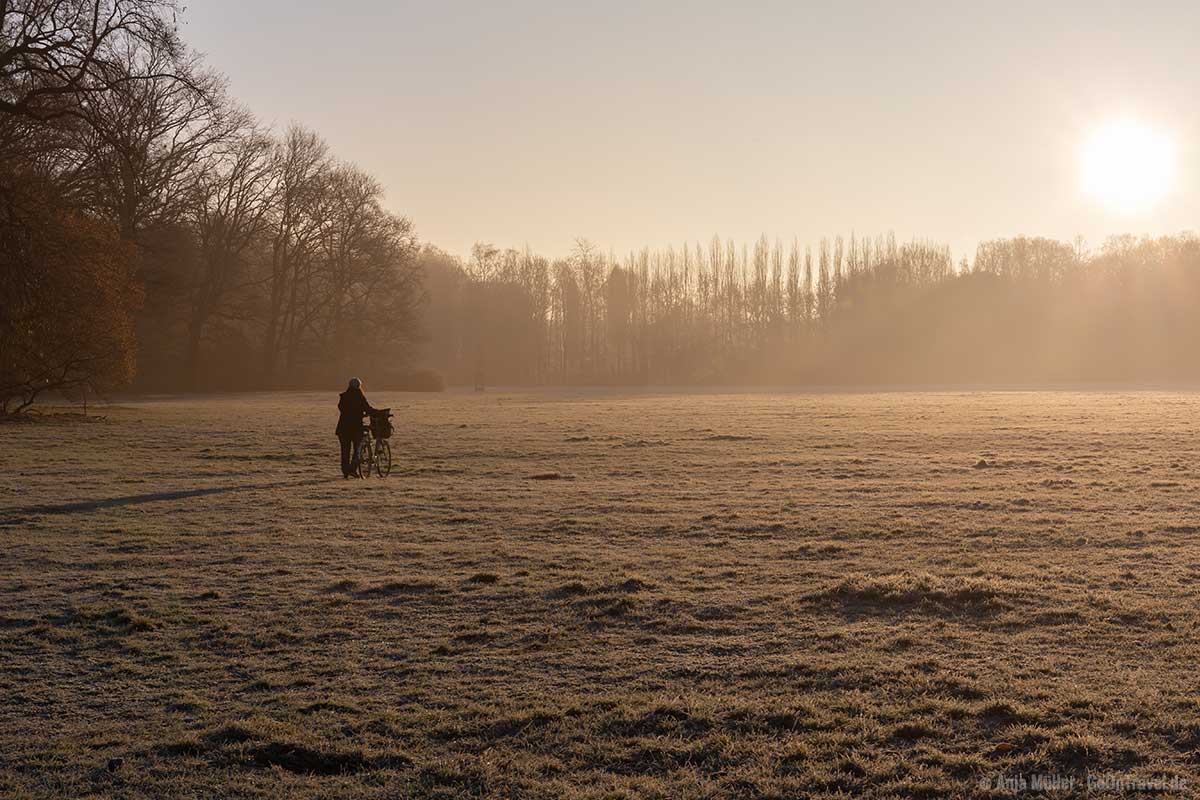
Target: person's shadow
(151,497)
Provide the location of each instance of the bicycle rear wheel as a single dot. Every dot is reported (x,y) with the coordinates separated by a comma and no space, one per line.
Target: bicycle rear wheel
(383,458)
(365,458)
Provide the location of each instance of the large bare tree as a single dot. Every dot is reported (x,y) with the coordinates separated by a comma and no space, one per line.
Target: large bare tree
(302,168)
(54,53)
(147,141)
(229,217)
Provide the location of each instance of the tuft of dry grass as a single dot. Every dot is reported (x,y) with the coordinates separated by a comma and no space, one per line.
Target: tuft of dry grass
(904,591)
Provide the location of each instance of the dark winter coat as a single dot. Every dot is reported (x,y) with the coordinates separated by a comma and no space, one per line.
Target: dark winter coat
(352,407)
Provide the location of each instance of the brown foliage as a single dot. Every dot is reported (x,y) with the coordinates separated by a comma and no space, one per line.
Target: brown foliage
(67,294)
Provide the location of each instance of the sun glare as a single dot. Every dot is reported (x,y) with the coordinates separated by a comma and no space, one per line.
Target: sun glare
(1128,167)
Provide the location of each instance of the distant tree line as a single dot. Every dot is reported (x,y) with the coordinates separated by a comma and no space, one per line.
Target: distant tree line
(153,235)
(856,311)
(152,231)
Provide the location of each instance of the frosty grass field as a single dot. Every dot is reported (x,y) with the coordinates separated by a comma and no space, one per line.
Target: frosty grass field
(602,595)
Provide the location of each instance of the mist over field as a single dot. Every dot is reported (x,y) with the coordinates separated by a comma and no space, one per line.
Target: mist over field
(599,401)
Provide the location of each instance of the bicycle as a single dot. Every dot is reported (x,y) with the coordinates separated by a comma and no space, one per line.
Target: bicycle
(374,452)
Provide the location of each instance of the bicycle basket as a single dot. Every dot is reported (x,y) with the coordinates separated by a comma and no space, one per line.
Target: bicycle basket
(381,424)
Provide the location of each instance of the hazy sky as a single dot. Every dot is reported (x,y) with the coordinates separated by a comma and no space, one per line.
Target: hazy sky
(649,123)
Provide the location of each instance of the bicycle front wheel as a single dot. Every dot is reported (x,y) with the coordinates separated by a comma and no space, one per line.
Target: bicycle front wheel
(383,458)
(365,459)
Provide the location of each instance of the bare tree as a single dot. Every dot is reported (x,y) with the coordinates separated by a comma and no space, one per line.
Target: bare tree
(229,217)
(146,141)
(54,54)
(301,171)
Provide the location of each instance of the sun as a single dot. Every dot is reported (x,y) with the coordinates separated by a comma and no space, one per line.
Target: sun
(1128,166)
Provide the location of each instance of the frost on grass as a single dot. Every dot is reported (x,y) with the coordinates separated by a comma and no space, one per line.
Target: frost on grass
(916,592)
(669,596)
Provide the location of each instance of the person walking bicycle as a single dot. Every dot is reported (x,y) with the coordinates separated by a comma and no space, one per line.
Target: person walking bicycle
(352,407)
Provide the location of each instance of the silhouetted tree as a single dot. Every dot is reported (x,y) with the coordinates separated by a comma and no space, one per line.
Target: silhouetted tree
(58,56)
